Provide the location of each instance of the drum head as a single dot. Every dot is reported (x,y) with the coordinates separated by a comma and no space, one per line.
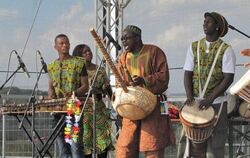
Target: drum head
(135,104)
(194,115)
(244,109)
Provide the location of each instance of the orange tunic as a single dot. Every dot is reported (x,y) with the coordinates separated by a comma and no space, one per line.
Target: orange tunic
(155,132)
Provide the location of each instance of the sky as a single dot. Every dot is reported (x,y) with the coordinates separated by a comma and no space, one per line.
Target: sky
(170,24)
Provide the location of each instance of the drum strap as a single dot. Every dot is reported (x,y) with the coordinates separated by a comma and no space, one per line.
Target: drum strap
(198,58)
(218,115)
(202,93)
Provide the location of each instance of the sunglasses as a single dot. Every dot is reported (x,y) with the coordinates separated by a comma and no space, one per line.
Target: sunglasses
(125,38)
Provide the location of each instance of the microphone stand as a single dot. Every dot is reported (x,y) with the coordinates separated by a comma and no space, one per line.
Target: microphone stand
(21,123)
(19,67)
(94,108)
(239,153)
(244,136)
(233,28)
(32,101)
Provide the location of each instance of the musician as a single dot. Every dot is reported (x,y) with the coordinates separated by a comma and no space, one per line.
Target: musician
(245,52)
(67,74)
(147,65)
(215,26)
(103,124)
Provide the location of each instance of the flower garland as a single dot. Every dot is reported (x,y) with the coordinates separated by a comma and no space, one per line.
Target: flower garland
(71,129)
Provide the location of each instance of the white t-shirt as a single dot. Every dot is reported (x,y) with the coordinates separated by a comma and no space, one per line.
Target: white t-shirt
(228,60)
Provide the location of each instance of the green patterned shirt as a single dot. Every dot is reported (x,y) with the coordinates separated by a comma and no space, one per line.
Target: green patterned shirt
(66,74)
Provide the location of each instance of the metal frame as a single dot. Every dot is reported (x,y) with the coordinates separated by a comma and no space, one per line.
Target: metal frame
(109,18)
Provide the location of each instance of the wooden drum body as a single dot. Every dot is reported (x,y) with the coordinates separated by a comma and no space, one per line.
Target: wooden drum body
(198,124)
(136,104)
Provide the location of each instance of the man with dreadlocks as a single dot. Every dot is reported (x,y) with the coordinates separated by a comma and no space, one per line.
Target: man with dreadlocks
(209,71)
(147,65)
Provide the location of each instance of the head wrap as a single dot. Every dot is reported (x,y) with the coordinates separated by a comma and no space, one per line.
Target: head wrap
(223,25)
(134,29)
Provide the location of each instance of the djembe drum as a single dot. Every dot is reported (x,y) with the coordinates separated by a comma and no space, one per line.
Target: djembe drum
(244,109)
(242,87)
(134,105)
(198,124)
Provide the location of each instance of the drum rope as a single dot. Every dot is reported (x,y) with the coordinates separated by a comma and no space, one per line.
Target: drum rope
(218,115)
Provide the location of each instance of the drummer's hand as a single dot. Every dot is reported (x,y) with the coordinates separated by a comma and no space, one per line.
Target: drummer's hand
(205,104)
(246,65)
(137,80)
(245,52)
(189,101)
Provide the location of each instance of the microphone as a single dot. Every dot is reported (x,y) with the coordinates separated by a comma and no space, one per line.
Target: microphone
(22,65)
(111,39)
(44,65)
(231,27)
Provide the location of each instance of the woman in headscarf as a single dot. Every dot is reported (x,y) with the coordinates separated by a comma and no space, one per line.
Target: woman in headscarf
(103,123)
